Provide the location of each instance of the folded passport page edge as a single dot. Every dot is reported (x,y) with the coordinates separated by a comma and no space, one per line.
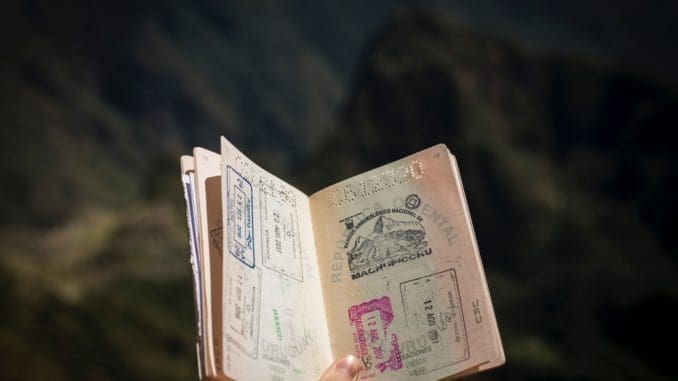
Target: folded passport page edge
(187,169)
(207,170)
(383,265)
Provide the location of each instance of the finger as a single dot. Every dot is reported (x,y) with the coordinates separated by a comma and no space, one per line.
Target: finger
(344,369)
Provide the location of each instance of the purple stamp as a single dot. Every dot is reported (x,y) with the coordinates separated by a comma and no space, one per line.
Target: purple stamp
(373,343)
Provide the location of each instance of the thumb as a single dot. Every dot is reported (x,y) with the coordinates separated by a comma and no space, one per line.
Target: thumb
(344,369)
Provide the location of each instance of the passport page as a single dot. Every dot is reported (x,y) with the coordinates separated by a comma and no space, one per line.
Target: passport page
(402,279)
(274,324)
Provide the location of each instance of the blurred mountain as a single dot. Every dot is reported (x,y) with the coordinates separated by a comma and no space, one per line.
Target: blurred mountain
(108,91)
(570,172)
(568,165)
(95,95)
(97,102)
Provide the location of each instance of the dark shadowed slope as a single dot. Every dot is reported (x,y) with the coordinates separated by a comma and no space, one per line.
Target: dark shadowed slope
(570,173)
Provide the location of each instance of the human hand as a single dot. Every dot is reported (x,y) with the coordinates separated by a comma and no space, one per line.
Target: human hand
(344,369)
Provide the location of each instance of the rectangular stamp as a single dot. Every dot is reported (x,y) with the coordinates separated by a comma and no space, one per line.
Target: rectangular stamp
(433,310)
(240,222)
(243,306)
(280,241)
(377,347)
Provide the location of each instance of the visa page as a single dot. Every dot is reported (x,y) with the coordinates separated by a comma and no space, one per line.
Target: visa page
(274,321)
(403,283)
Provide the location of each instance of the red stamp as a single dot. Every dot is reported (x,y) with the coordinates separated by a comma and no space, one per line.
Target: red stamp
(374,344)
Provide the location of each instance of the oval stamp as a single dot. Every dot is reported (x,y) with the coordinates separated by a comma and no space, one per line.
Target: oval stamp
(384,239)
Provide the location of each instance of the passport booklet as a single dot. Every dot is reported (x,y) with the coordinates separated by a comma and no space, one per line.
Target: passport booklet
(383,265)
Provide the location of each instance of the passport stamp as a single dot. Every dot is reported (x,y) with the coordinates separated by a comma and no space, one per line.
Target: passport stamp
(243,296)
(383,239)
(373,342)
(433,310)
(280,242)
(240,233)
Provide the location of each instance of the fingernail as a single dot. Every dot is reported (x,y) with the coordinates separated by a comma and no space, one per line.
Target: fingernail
(351,364)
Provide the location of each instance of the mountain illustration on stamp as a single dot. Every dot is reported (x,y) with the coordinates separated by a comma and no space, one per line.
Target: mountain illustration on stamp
(390,239)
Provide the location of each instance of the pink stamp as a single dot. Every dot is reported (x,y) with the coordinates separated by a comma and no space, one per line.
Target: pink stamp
(373,343)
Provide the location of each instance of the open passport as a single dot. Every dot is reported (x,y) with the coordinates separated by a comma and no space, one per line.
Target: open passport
(383,265)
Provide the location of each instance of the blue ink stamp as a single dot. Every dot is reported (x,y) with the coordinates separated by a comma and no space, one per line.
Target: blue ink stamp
(240,219)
